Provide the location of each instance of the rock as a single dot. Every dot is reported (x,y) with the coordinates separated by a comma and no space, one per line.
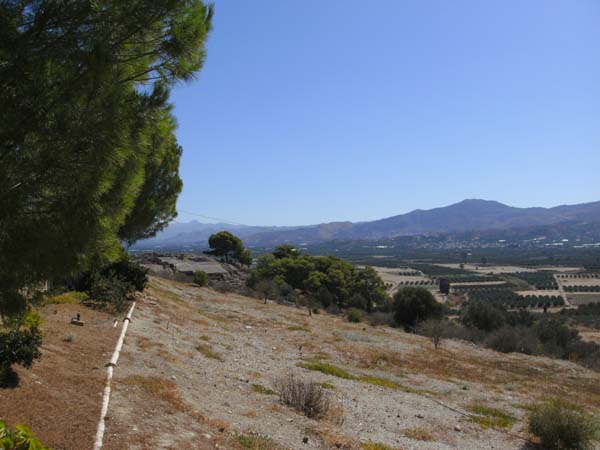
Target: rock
(420,416)
(305,440)
(221,429)
(207,436)
(457,428)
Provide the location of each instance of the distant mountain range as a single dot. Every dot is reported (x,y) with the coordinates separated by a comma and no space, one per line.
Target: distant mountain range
(465,216)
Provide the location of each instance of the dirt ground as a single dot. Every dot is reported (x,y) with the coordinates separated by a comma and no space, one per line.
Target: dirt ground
(59,397)
(198,365)
(198,368)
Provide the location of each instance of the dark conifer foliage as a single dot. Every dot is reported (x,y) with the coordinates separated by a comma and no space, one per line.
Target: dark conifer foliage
(88,155)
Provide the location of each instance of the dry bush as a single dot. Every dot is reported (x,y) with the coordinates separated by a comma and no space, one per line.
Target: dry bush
(562,425)
(306,396)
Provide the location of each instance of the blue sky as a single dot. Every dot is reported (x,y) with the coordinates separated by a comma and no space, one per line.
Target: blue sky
(317,111)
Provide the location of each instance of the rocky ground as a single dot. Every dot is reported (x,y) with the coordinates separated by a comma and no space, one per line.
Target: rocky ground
(198,369)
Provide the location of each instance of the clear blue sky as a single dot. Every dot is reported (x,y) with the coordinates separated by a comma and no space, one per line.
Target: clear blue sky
(316,111)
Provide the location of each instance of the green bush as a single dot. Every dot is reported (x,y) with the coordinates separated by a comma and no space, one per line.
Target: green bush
(561,425)
(19,345)
(483,315)
(354,315)
(20,439)
(109,289)
(413,305)
(130,272)
(201,278)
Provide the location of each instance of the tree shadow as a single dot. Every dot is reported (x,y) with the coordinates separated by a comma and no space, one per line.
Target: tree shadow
(9,379)
(530,446)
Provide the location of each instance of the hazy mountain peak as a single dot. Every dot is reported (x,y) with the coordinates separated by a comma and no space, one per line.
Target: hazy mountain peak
(467,215)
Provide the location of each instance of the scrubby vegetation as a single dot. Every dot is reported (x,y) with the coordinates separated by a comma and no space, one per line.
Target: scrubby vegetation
(354,315)
(493,326)
(414,305)
(487,416)
(20,339)
(107,284)
(561,425)
(313,281)
(306,396)
(21,438)
(201,278)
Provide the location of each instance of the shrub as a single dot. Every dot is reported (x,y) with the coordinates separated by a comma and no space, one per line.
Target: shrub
(514,339)
(19,345)
(130,272)
(201,278)
(306,396)
(435,329)
(412,305)
(354,315)
(21,438)
(482,315)
(562,425)
(109,289)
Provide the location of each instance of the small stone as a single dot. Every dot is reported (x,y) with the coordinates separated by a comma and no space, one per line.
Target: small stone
(221,429)
(207,436)
(457,428)
(305,440)
(420,416)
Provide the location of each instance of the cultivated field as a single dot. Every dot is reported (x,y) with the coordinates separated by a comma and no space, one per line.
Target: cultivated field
(393,277)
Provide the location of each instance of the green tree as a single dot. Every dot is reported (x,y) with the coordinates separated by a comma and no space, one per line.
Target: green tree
(371,287)
(245,257)
(225,245)
(413,305)
(285,251)
(85,125)
(483,315)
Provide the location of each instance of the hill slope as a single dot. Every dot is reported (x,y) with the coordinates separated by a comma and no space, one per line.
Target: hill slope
(198,367)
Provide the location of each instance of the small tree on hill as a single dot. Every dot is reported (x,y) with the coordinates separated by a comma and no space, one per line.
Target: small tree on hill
(413,305)
(229,247)
(266,288)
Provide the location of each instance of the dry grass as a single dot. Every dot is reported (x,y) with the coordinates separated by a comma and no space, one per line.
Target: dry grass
(488,417)
(419,434)
(335,371)
(159,388)
(251,442)
(333,439)
(376,446)
(263,390)
(208,352)
(327,369)
(299,328)
(72,297)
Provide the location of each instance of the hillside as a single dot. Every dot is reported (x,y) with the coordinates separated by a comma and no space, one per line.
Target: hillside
(198,367)
(466,216)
